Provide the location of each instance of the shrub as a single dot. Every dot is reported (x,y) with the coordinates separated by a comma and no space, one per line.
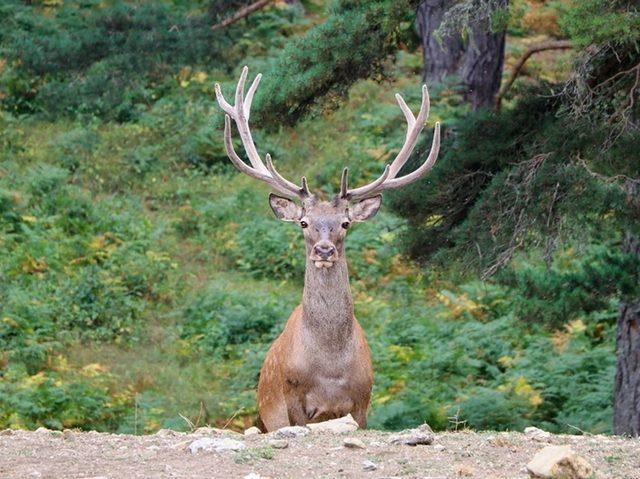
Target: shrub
(62,399)
(219,319)
(269,249)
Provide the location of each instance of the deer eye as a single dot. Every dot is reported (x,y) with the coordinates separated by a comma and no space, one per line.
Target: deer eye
(303,224)
(345,225)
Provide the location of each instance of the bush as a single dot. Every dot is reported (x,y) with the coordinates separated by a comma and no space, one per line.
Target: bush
(269,249)
(219,319)
(62,399)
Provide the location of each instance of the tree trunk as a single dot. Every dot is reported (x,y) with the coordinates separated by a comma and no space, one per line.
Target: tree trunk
(478,62)
(626,405)
(482,67)
(442,57)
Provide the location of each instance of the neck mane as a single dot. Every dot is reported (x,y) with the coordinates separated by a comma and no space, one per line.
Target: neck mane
(327,306)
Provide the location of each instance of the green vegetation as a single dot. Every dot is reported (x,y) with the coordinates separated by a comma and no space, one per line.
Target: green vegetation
(142,278)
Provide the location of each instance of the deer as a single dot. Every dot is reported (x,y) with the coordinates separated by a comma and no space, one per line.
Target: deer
(319,368)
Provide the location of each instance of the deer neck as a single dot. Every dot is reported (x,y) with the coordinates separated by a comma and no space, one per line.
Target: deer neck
(327,306)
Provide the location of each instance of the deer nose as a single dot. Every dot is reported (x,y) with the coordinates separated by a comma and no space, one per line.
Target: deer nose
(324,251)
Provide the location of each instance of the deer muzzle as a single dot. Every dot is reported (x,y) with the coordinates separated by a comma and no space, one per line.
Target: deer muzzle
(323,254)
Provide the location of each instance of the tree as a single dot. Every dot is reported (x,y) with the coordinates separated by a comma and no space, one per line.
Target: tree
(626,403)
(478,61)
(442,55)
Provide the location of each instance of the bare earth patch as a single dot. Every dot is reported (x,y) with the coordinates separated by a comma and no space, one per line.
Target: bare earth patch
(47,454)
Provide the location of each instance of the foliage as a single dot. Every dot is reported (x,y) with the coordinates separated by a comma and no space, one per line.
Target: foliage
(352,44)
(62,399)
(600,21)
(142,279)
(473,363)
(219,319)
(109,59)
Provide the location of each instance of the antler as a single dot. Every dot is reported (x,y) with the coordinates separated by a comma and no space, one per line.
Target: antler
(388,178)
(240,113)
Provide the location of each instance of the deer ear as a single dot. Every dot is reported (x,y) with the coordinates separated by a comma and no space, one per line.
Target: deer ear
(365,209)
(284,208)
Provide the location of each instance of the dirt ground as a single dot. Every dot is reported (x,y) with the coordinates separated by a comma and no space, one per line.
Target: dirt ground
(47,454)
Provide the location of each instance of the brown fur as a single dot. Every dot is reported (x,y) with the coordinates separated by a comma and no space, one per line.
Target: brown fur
(319,368)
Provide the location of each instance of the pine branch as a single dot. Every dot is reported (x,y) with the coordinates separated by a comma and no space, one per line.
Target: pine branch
(242,13)
(551,45)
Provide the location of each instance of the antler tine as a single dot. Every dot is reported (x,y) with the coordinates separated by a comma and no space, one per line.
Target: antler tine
(301,191)
(344,183)
(305,187)
(240,113)
(414,128)
(419,172)
(388,180)
(371,189)
(249,97)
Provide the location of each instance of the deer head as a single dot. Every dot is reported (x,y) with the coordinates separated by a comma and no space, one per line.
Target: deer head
(324,223)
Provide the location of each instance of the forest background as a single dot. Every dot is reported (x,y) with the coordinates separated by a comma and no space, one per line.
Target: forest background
(142,278)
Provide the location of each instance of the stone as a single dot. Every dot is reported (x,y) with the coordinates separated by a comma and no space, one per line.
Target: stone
(559,462)
(180,445)
(167,433)
(214,431)
(279,444)
(252,431)
(369,466)
(463,470)
(42,430)
(537,434)
(335,426)
(290,432)
(7,432)
(413,437)
(353,443)
(218,444)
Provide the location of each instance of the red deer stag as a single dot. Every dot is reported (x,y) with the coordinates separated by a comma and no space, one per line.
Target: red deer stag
(319,368)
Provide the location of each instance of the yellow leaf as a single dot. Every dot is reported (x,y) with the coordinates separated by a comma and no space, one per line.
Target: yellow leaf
(505,361)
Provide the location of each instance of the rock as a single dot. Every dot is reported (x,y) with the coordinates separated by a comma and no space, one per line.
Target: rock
(289,432)
(179,445)
(438,447)
(353,443)
(369,466)
(214,431)
(252,431)
(167,433)
(556,462)
(537,434)
(56,433)
(279,444)
(413,437)
(463,470)
(218,444)
(7,432)
(335,426)
(42,430)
